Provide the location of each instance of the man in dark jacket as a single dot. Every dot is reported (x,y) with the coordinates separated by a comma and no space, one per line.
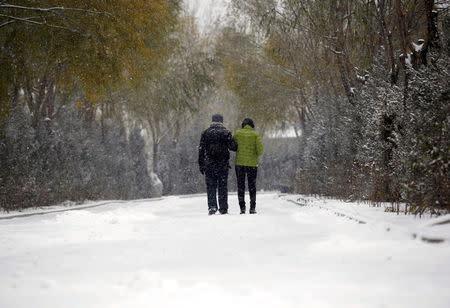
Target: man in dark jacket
(213,156)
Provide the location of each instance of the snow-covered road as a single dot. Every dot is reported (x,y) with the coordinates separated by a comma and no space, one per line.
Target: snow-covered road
(169,253)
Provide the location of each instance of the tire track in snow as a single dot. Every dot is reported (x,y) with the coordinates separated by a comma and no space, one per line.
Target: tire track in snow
(77,208)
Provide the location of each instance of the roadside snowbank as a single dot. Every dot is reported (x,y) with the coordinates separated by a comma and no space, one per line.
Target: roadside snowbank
(431,229)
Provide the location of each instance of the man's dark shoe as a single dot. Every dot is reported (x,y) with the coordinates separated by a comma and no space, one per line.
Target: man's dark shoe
(212,212)
(242,211)
(222,212)
(252,211)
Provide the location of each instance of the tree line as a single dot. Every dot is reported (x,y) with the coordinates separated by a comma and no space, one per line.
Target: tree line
(98,97)
(83,86)
(365,83)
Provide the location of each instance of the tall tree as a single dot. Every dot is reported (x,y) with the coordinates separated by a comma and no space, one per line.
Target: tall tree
(50,46)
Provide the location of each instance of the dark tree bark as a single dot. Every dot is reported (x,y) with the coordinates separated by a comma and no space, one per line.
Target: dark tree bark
(336,15)
(386,37)
(433,34)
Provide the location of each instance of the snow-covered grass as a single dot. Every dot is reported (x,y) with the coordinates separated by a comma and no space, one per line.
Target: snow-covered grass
(427,228)
(169,253)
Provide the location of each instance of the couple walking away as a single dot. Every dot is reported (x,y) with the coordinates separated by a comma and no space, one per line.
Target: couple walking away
(213,156)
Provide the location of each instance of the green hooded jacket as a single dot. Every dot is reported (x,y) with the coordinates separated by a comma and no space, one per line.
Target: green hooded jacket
(250,147)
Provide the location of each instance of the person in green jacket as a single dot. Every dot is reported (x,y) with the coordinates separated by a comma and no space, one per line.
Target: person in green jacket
(249,149)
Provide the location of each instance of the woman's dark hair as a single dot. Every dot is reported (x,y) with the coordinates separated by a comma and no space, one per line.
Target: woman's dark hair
(248,121)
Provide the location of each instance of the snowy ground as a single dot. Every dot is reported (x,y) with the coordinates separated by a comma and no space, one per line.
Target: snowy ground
(169,253)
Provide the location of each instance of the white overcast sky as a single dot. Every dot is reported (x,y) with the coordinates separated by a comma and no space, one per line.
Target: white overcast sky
(206,11)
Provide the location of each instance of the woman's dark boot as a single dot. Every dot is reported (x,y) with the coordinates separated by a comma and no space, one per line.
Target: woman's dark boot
(242,206)
(253,208)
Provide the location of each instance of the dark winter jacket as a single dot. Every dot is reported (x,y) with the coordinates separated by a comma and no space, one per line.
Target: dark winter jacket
(215,144)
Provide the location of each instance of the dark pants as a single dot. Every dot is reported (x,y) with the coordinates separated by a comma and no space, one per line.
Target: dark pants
(250,173)
(217,180)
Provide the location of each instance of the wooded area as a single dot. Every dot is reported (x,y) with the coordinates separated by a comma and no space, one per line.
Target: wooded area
(96,98)
(366,82)
(83,84)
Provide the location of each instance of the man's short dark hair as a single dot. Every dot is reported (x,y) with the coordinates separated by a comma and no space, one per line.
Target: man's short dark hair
(217,118)
(248,121)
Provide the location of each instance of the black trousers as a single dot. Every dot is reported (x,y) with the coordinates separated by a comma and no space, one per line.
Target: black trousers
(217,181)
(251,173)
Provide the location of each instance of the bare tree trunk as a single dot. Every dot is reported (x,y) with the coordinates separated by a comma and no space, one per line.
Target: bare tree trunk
(339,49)
(154,130)
(404,45)
(155,156)
(432,41)
(345,79)
(402,30)
(102,120)
(5,109)
(29,94)
(386,37)
(49,102)
(433,34)
(301,114)
(37,100)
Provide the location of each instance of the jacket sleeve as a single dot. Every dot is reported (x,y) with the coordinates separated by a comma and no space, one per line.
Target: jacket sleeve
(259,145)
(232,144)
(202,152)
